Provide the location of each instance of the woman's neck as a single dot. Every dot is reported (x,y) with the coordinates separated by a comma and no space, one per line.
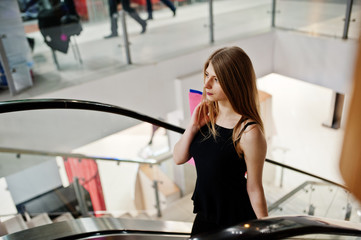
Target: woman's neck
(227,117)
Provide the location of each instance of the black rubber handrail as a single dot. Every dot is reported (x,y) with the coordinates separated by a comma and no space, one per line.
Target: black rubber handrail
(305,173)
(279,227)
(39,104)
(284,227)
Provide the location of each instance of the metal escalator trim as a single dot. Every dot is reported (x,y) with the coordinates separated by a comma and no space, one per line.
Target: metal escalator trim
(86,227)
(154,160)
(164,226)
(65,229)
(131,235)
(124,235)
(138,236)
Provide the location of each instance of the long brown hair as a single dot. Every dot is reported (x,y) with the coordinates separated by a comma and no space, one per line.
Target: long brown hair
(235,73)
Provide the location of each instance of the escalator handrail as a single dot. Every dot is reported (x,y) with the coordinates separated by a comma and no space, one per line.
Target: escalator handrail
(39,104)
(283,227)
(305,173)
(84,228)
(279,227)
(276,205)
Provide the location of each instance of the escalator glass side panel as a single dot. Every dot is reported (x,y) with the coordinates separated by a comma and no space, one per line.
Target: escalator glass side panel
(289,193)
(114,158)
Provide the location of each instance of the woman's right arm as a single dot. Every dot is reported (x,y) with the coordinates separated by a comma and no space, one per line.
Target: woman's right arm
(181,149)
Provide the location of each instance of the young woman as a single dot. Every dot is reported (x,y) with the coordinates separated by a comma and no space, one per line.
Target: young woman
(225,138)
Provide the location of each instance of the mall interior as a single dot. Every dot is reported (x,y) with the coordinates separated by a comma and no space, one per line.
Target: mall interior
(88,122)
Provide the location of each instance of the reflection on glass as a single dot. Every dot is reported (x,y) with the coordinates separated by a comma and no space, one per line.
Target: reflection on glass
(236,18)
(315,17)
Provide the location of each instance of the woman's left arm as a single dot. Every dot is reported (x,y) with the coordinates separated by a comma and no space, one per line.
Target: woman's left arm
(254,146)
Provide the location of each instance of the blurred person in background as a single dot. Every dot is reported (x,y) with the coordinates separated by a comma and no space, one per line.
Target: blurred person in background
(168,3)
(113,12)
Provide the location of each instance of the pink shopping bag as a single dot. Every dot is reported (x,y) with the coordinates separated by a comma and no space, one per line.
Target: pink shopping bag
(194,97)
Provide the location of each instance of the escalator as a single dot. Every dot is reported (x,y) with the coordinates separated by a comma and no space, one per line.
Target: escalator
(120,190)
(106,228)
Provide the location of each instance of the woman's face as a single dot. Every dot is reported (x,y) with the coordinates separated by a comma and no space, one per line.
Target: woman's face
(211,84)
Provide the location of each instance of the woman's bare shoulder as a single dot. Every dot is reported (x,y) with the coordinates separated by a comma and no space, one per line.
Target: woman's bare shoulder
(250,125)
(252,133)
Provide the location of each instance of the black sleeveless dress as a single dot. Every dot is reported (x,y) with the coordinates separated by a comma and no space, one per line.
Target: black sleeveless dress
(221,188)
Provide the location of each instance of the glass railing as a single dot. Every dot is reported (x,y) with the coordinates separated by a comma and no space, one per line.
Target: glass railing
(315,17)
(73,50)
(75,163)
(298,137)
(72,162)
(326,18)
(139,185)
(67,44)
(236,19)
(294,193)
(114,158)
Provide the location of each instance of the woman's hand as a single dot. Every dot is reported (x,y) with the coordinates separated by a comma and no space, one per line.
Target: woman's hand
(200,115)
(199,119)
